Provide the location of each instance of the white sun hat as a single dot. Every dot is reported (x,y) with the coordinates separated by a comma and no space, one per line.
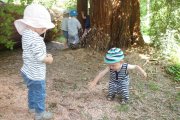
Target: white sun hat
(36,16)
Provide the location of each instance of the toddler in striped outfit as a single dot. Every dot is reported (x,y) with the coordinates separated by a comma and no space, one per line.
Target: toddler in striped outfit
(119,78)
(36,21)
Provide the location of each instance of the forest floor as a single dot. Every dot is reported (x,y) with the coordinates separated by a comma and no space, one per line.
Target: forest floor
(69,98)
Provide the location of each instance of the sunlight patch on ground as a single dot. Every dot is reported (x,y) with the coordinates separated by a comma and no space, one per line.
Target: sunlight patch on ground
(146,39)
(145,57)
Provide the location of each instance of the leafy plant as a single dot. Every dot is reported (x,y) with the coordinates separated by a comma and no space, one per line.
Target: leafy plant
(7,17)
(164,30)
(178,96)
(70,4)
(174,70)
(47,3)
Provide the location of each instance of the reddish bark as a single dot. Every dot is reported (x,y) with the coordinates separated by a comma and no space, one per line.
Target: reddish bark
(119,19)
(82,5)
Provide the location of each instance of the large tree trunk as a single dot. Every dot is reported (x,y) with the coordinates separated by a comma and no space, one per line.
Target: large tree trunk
(125,24)
(120,24)
(135,29)
(100,12)
(116,23)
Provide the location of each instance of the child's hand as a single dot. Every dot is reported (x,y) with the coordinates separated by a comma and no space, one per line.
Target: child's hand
(49,59)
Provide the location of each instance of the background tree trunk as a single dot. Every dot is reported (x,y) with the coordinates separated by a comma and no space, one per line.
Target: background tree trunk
(82,5)
(125,26)
(100,12)
(135,29)
(115,23)
(120,24)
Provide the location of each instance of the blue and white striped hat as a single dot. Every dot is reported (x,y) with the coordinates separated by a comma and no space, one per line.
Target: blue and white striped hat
(114,55)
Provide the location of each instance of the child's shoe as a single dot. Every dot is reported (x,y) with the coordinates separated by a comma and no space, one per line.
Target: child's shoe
(110,97)
(44,116)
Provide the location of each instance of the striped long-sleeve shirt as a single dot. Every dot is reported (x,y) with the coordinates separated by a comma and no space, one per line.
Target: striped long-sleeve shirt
(34,52)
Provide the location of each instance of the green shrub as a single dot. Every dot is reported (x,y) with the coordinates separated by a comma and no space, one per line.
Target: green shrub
(174,70)
(8,13)
(70,4)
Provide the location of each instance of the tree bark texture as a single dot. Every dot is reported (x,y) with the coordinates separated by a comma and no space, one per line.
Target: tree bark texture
(82,5)
(117,22)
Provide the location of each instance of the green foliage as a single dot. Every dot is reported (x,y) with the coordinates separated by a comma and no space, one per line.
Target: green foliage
(164,30)
(47,3)
(178,96)
(7,15)
(71,4)
(174,70)
(164,18)
(61,39)
(145,16)
(4,1)
(143,7)
(25,2)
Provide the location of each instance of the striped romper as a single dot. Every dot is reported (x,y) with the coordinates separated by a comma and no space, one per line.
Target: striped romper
(119,82)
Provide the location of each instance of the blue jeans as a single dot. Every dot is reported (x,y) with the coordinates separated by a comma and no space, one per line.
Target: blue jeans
(36,93)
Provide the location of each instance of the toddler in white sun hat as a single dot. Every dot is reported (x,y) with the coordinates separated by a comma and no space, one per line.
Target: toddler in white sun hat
(36,21)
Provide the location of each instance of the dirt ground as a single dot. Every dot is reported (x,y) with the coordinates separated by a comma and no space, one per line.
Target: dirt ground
(69,98)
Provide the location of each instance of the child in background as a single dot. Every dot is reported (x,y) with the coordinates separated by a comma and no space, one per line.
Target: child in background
(119,78)
(36,21)
(86,19)
(64,26)
(73,28)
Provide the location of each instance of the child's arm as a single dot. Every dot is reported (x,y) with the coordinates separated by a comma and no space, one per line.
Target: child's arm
(82,14)
(79,25)
(98,77)
(39,54)
(138,68)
